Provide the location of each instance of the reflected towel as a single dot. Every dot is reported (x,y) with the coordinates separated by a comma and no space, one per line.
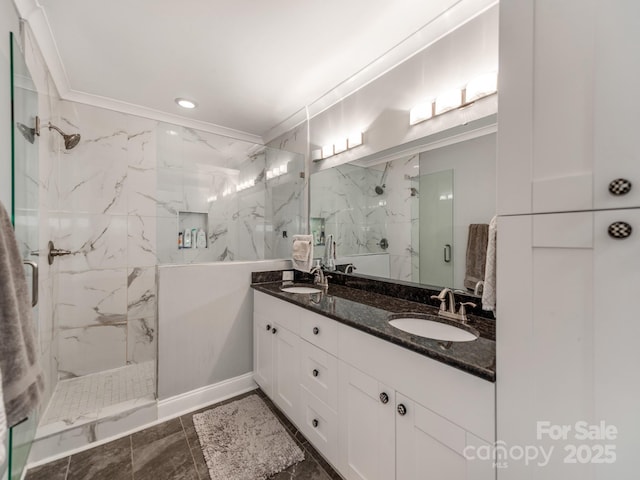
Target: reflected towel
(302,254)
(476,254)
(489,292)
(22,381)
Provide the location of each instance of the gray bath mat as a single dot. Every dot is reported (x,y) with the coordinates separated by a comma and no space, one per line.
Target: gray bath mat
(243,440)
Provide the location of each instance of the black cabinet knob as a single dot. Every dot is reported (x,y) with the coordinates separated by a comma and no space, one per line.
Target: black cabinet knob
(384,398)
(316,330)
(619,230)
(315,423)
(268,327)
(315,372)
(274,330)
(402,410)
(619,186)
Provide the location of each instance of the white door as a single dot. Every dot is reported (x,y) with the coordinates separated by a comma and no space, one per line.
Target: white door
(286,359)
(427,446)
(263,353)
(367,426)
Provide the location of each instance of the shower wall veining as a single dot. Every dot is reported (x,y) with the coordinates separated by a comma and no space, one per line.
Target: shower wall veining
(359,218)
(119,193)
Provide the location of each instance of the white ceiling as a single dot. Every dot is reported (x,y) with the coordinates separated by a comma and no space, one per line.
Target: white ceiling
(248,64)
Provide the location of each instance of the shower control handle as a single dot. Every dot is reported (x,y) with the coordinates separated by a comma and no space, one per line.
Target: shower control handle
(315,372)
(315,423)
(268,327)
(55,252)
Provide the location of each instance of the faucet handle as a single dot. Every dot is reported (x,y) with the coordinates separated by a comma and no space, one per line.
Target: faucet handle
(463,311)
(443,301)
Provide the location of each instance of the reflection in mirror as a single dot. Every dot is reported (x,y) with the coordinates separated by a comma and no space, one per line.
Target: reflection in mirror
(409,218)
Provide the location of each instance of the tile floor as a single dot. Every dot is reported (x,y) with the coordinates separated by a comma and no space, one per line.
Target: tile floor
(168,451)
(87,396)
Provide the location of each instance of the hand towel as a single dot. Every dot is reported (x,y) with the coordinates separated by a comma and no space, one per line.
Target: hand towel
(476,254)
(22,381)
(489,292)
(302,254)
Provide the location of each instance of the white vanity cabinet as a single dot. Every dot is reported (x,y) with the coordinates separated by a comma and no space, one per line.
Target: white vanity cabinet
(568,108)
(276,356)
(376,411)
(407,417)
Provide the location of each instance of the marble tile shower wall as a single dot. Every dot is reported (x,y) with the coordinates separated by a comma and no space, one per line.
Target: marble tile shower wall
(116,203)
(106,216)
(199,173)
(360,218)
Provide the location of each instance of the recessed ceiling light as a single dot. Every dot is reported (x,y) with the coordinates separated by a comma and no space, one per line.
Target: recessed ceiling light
(184,103)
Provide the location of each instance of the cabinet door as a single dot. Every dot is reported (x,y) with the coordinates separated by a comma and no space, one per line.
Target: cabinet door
(367,429)
(616,330)
(286,359)
(427,445)
(616,103)
(263,353)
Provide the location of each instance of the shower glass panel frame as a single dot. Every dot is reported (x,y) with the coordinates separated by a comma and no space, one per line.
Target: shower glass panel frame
(24,214)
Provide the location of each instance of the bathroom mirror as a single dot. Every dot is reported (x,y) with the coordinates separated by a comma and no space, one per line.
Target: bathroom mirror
(404,213)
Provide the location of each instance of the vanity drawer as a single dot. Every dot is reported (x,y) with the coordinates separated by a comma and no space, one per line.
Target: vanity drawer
(319,373)
(320,425)
(272,309)
(318,330)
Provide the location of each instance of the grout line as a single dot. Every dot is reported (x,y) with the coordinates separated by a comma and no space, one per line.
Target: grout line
(131,454)
(193,459)
(66,473)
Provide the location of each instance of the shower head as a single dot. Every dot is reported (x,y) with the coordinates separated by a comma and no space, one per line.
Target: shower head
(380,188)
(70,141)
(28,133)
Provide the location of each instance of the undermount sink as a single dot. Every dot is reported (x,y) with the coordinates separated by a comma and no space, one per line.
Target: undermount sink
(300,289)
(422,326)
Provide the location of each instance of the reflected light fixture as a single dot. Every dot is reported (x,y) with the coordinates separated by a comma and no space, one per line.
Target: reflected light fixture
(185,103)
(339,146)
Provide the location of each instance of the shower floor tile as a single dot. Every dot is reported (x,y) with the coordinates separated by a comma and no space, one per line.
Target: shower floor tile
(91,396)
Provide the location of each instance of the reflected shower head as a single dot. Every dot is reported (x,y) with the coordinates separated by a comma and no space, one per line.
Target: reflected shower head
(380,189)
(70,141)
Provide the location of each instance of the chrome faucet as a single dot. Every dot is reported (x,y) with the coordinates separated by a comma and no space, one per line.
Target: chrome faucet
(350,268)
(478,288)
(319,278)
(447,296)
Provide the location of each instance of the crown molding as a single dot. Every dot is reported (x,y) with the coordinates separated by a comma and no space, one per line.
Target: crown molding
(150,113)
(33,13)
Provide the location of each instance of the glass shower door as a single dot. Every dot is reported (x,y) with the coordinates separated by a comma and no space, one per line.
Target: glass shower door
(24,213)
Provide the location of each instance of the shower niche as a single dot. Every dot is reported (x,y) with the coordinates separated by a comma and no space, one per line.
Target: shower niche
(192,230)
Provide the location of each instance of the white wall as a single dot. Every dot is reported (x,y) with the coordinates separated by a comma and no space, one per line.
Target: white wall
(474,186)
(205,321)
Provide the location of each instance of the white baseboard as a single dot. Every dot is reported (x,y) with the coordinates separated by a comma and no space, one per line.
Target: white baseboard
(201,397)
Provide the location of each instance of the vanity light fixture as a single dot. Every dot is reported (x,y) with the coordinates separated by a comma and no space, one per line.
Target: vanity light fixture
(342,145)
(478,88)
(185,103)
(481,86)
(421,112)
(447,101)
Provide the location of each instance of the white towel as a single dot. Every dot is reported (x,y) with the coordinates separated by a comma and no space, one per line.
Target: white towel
(302,254)
(489,289)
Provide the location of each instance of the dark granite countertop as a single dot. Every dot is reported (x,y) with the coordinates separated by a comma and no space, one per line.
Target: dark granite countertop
(369,312)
